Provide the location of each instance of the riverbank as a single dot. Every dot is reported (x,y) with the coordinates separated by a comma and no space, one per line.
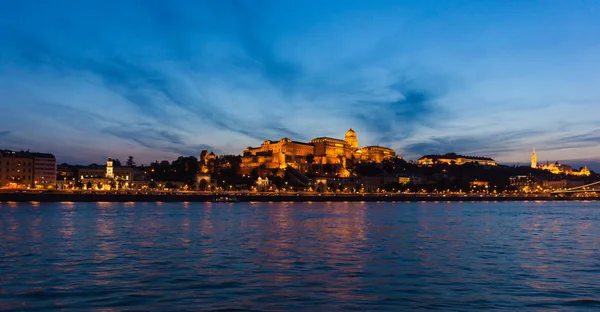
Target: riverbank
(190,197)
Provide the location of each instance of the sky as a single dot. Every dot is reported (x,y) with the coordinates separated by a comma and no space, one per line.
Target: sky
(87,80)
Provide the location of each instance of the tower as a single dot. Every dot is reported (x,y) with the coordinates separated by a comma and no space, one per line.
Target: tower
(109,169)
(351,138)
(533,159)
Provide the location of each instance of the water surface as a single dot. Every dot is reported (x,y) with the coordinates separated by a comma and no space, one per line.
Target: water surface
(300,256)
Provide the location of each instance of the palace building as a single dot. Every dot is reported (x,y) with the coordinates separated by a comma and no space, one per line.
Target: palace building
(455,159)
(322,150)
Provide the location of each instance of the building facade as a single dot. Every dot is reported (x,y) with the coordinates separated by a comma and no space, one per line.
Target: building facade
(322,151)
(44,170)
(554,184)
(455,159)
(375,154)
(277,155)
(523,183)
(106,177)
(16,169)
(27,170)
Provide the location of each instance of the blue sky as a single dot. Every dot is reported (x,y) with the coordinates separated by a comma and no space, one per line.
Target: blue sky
(86,80)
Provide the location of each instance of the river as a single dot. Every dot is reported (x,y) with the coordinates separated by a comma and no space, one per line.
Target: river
(468,256)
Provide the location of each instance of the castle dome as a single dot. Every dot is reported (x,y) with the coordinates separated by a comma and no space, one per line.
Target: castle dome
(351,139)
(350,133)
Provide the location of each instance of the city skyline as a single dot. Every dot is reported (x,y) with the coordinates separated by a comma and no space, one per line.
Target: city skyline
(156,81)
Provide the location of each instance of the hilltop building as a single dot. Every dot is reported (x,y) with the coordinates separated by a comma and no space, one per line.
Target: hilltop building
(322,150)
(557,168)
(455,159)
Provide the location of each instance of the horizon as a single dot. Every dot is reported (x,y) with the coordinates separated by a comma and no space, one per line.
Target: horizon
(159,81)
(573,163)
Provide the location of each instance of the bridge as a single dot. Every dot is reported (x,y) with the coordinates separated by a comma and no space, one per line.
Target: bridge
(588,188)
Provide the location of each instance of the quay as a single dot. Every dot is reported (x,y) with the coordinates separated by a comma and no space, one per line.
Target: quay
(267,197)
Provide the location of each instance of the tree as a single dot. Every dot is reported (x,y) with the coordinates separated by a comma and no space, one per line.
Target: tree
(130,162)
(191,184)
(116,163)
(89,185)
(152,185)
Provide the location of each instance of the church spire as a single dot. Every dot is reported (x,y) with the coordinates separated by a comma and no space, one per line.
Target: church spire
(533,159)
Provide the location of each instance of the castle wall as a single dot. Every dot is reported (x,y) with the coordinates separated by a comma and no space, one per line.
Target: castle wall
(376,154)
(325,150)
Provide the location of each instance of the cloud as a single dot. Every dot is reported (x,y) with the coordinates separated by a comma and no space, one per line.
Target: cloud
(482,144)
(260,53)
(157,139)
(227,74)
(503,146)
(578,140)
(156,90)
(396,119)
(4,133)
(150,89)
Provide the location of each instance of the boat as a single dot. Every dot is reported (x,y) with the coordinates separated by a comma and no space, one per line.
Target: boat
(224,199)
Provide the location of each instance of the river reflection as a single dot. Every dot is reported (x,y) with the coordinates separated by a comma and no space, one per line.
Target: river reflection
(299,256)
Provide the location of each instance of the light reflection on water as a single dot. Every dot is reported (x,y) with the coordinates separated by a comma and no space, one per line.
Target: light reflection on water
(300,256)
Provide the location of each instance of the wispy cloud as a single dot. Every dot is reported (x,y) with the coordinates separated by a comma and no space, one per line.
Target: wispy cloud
(504,145)
(397,118)
(462,145)
(157,139)
(172,79)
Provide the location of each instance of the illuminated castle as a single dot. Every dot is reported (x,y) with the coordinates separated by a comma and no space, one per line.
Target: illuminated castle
(455,160)
(557,168)
(322,150)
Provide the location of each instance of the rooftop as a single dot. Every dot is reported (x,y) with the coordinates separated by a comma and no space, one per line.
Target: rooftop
(25,154)
(328,139)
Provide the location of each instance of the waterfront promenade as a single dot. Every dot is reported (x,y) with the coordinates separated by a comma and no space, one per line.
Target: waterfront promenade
(28,196)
